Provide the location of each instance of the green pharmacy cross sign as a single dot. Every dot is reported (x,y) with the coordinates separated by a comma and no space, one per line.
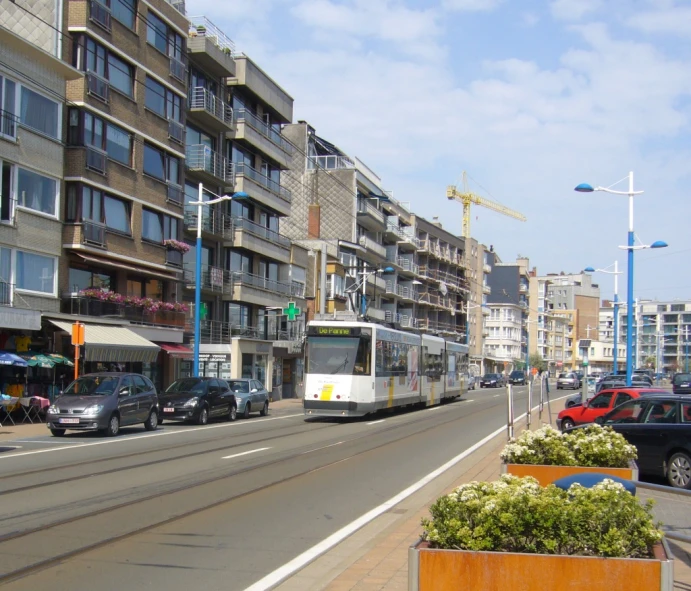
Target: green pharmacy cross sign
(292,311)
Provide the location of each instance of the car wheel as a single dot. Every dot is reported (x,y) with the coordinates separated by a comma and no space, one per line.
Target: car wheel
(113,427)
(151,422)
(265,409)
(58,432)
(203,418)
(246,413)
(567,423)
(679,470)
(233,413)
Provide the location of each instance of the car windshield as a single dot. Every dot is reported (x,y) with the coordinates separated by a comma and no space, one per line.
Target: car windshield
(239,386)
(682,378)
(564,375)
(188,385)
(489,376)
(92,386)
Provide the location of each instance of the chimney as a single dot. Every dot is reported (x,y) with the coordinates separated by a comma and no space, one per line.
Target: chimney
(313,221)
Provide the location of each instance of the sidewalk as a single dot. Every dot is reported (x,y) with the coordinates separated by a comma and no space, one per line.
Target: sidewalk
(376,557)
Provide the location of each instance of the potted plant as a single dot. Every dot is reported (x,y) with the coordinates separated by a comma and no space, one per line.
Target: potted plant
(201,30)
(547,454)
(172,244)
(515,534)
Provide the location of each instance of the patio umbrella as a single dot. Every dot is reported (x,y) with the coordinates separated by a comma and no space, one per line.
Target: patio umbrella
(61,359)
(41,360)
(7,358)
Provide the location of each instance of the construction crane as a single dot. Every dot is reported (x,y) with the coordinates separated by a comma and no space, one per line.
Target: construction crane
(466,198)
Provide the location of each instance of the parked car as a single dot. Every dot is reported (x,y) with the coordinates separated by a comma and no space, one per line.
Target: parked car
(250,396)
(198,400)
(580,375)
(517,377)
(619,381)
(597,406)
(681,383)
(659,425)
(567,380)
(492,380)
(575,399)
(104,402)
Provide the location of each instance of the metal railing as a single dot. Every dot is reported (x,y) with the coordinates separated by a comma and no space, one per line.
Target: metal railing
(176,132)
(262,127)
(213,221)
(97,85)
(260,231)
(372,245)
(272,285)
(8,124)
(96,159)
(99,14)
(372,279)
(201,98)
(264,181)
(367,208)
(199,157)
(174,258)
(6,293)
(177,68)
(408,265)
(85,306)
(407,292)
(176,194)
(330,162)
(93,233)
(211,278)
(201,26)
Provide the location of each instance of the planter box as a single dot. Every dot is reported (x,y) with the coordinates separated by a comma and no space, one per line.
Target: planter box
(548,474)
(451,570)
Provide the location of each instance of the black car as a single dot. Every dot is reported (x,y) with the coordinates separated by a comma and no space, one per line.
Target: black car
(492,380)
(197,400)
(619,381)
(681,383)
(517,377)
(659,425)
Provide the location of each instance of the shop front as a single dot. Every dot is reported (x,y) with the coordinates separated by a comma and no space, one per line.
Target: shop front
(288,369)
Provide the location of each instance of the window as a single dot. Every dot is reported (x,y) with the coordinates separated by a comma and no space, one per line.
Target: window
(37,192)
(339,355)
(661,412)
(35,272)
(86,278)
(8,100)
(161,165)
(392,359)
(117,214)
(238,314)
(237,261)
(124,11)
(601,401)
(162,101)
(120,75)
(6,184)
(90,56)
(158,227)
(40,113)
(89,130)
(84,203)
(240,209)
(156,32)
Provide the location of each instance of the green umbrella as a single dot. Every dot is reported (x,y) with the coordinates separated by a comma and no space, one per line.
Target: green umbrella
(41,360)
(57,358)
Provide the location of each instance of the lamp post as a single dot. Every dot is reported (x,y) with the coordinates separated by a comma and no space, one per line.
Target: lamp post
(363,283)
(198,264)
(616,274)
(630,247)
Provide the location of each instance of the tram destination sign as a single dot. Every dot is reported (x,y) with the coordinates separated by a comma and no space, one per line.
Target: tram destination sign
(334,331)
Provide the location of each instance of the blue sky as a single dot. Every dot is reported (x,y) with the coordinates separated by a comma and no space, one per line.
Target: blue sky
(530,97)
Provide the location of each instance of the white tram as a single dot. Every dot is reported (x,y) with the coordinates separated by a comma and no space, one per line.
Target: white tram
(356,368)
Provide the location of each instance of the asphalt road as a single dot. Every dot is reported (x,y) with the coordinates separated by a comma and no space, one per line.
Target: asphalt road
(219,506)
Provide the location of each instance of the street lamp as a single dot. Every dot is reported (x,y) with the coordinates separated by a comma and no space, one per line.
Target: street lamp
(198,263)
(616,274)
(630,247)
(363,283)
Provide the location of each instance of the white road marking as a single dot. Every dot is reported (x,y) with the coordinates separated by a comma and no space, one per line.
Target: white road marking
(472,400)
(323,447)
(161,434)
(496,395)
(244,453)
(289,568)
(437,407)
(375,422)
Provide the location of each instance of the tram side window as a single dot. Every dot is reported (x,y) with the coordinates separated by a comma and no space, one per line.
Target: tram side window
(362,359)
(434,365)
(392,359)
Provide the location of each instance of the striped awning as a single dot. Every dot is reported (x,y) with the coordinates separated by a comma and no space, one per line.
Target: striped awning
(113,344)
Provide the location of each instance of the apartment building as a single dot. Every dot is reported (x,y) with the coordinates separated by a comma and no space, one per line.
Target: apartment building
(662,337)
(548,328)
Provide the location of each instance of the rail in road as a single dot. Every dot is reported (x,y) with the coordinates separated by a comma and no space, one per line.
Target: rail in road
(125,492)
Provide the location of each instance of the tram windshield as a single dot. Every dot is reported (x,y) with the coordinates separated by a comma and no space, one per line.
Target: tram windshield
(338,355)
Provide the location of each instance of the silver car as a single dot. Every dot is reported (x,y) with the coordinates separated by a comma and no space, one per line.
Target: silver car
(250,396)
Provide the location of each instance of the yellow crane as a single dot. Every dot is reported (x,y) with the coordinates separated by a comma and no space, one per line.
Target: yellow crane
(466,198)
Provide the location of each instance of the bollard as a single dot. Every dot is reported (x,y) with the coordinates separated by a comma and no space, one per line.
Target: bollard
(509,410)
(542,399)
(529,416)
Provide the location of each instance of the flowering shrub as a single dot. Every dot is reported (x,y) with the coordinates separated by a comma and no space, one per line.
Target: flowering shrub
(518,515)
(594,445)
(172,244)
(148,304)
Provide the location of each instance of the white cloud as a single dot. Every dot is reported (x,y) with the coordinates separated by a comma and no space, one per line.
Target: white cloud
(573,10)
(674,20)
(471,5)
(529,19)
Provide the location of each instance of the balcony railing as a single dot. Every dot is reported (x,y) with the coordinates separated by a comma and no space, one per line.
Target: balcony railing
(94,233)
(408,265)
(176,132)
(407,292)
(8,124)
(97,86)
(177,68)
(261,231)
(330,162)
(199,157)
(213,221)
(264,181)
(211,278)
(405,320)
(99,14)
(174,258)
(176,194)
(84,306)
(368,209)
(96,159)
(264,129)
(201,98)
(282,287)
(6,293)
(372,245)
(203,27)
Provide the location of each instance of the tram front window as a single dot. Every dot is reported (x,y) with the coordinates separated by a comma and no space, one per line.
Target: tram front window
(338,355)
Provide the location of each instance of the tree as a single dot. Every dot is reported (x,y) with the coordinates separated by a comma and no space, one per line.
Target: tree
(536,360)
(518,364)
(650,361)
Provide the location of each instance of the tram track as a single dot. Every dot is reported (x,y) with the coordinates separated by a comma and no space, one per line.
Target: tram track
(151,509)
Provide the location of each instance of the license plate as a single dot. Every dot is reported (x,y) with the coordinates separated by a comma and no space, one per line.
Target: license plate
(168,410)
(69,421)
(684,385)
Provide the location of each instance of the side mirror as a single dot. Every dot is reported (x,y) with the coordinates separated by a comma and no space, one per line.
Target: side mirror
(599,420)
(124,392)
(255,390)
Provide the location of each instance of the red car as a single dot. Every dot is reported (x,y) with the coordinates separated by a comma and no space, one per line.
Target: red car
(599,405)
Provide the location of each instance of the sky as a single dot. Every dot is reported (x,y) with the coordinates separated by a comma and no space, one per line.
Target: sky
(530,97)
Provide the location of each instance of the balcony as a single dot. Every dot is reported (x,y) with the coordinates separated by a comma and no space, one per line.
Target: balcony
(369,216)
(377,282)
(372,247)
(255,289)
(249,128)
(99,14)
(97,87)
(251,76)
(376,314)
(174,258)
(94,234)
(407,292)
(209,165)
(391,287)
(211,279)
(331,162)
(215,332)
(262,188)
(211,48)
(177,69)
(214,223)
(176,132)
(83,306)
(408,266)
(209,110)
(486,289)
(486,268)
(256,238)
(175,194)
(523,288)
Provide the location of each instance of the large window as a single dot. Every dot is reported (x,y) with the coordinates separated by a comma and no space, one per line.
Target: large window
(88,130)
(85,203)
(393,358)
(161,165)
(156,32)
(8,100)
(237,261)
(90,56)
(124,11)
(339,355)
(37,192)
(117,214)
(162,101)
(6,184)
(88,278)
(120,75)
(158,227)
(35,272)
(40,113)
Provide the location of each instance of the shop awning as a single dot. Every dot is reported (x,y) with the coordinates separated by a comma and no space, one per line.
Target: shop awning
(113,344)
(178,351)
(126,267)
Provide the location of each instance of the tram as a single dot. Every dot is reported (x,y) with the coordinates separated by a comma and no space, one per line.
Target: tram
(357,368)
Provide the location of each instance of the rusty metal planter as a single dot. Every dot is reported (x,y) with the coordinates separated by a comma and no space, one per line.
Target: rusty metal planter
(548,474)
(431,569)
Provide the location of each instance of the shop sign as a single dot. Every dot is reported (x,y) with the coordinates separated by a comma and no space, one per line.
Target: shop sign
(263,347)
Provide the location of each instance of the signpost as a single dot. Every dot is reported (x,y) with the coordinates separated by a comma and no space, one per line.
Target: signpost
(77,341)
(292,312)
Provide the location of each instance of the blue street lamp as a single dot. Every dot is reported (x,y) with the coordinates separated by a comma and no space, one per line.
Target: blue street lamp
(198,264)
(616,274)
(630,247)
